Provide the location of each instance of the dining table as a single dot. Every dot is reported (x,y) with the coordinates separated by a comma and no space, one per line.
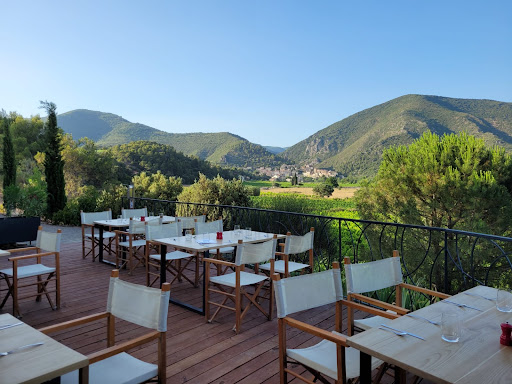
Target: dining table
(204,244)
(29,356)
(118,224)
(477,357)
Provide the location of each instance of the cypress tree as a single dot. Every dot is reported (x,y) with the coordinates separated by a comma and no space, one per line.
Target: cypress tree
(9,159)
(53,162)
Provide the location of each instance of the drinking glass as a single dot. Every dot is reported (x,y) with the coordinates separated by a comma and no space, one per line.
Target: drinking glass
(248,233)
(119,217)
(237,230)
(451,326)
(504,300)
(188,235)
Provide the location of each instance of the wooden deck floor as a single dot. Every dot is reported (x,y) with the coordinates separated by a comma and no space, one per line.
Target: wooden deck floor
(197,352)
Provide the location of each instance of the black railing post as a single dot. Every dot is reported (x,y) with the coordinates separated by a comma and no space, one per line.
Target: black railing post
(446,262)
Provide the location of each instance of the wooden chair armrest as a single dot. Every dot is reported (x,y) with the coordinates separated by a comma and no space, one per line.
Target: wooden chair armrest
(73,323)
(315,331)
(88,225)
(378,303)
(22,249)
(35,255)
(119,232)
(122,347)
(219,262)
(424,290)
(370,310)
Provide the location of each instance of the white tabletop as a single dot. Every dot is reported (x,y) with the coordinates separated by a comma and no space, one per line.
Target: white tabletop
(36,364)
(201,243)
(119,223)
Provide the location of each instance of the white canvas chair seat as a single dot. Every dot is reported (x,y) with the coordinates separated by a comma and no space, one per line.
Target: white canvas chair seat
(29,270)
(227,250)
(135,243)
(279,266)
(246,278)
(176,262)
(48,278)
(174,255)
(139,305)
(118,369)
(236,290)
(322,358)
(106,235)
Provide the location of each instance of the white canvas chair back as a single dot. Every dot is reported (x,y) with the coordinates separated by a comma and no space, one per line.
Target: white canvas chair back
(372,276)
(188,222)
(138,304)
(129,213)
(48,241)
(248,253)
(298,244)
(90,217)
(163,231)
(299,293)
(210,227)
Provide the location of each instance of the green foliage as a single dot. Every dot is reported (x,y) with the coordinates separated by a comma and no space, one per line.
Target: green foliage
(213,191)
(82,162)
(354,146)
(11,198)
(111,198)
(323,190)
(144,156)
(53,163)
(9,158)
(157,186)
(452,181)
(332,181)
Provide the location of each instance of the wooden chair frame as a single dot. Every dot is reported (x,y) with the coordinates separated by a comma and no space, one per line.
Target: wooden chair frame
(286,257)
(378,307)
(14,286)
(174,267)
(339,340)
(236,294)
(86,251)
(113,348)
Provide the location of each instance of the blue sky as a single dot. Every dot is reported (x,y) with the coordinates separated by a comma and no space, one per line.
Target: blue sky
(273,72)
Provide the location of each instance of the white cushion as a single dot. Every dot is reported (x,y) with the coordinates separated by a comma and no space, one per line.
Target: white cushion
(322,358)
(118,369)
(372,322)
(29,270)
(279,266)
(135,243)
(229,279)
(175,255)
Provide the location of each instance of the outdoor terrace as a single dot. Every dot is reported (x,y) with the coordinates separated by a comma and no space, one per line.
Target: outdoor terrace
(197,352)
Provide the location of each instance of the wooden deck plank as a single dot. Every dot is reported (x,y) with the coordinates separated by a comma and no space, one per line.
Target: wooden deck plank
(197,352)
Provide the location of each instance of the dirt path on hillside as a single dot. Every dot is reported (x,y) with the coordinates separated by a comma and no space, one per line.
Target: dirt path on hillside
(342,193)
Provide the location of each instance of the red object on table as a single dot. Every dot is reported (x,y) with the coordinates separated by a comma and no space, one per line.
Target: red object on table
(506,329)
(142,218)
(219,235)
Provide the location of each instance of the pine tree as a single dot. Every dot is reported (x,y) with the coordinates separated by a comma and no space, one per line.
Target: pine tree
(9,159)
(53,163)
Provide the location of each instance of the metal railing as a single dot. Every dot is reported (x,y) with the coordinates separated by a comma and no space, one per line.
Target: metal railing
(437,258)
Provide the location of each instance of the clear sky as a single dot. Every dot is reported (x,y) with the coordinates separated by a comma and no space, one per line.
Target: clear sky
(273,72)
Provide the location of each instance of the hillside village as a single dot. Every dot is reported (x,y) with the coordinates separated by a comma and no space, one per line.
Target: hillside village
(287,171)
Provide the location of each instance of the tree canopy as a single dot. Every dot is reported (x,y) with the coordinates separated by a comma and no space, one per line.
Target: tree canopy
(453,181)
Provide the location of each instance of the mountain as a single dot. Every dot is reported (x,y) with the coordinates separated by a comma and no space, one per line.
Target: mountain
(222,148)
(354,146)
(274,150)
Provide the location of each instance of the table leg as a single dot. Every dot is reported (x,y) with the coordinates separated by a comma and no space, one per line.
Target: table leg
(400,375)
(100,254)
(365,368)
(163,252)
(83,375)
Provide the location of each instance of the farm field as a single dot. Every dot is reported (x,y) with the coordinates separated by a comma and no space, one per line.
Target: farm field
(343,193)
